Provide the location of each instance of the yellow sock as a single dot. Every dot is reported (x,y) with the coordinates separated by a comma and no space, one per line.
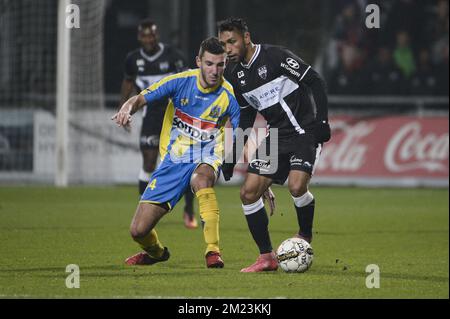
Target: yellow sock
(209,212)
(151,244)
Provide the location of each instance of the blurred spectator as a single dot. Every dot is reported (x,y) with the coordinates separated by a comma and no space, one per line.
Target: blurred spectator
(405,15)
(442,72)
(348,24)
(440,46)
(345,79)
(403,55)
(382,76)
(424,81)
(410,50)
(440,25)
(347,49)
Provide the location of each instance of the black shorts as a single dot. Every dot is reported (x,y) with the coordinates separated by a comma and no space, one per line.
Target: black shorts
(295,153)
(152,123)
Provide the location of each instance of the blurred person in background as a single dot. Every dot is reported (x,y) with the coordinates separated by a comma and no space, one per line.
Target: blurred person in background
(382,76)
(424,81)
(404,55)
(143,67)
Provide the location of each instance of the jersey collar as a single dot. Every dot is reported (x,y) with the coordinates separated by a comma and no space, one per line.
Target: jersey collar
(254,57)
(153,57)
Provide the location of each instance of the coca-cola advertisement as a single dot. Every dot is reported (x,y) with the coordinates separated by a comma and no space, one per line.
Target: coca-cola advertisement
(396,148)
(382,151)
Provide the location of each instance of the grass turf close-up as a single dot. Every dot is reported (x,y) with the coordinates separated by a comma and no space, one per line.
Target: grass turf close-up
(402,231)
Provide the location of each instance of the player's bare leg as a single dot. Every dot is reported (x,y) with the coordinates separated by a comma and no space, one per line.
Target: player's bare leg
(304,202)
(188,215)
(149,158)
(142,230)
(258,222)
(202,183)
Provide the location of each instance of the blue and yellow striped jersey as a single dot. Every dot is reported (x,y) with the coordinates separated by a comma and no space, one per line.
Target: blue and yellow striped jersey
(194,123)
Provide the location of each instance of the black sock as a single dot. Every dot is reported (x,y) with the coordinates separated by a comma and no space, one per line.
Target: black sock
(142,187)
(189,202)
(305,216)
(258,224)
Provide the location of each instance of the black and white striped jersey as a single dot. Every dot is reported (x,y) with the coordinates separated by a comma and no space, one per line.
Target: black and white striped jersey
(146,69)
(275,84)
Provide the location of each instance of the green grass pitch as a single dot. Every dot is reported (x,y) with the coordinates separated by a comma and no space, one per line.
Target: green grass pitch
(403,231)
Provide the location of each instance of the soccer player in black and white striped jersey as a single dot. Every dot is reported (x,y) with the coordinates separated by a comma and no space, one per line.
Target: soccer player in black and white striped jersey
(275,82)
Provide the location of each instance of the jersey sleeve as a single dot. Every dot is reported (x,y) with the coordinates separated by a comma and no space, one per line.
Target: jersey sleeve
(295,68)
(130,69)
(164,88)
(289,63)
(234,112)
(247,118)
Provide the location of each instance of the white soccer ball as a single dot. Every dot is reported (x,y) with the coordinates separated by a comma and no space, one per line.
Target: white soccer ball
(295,255)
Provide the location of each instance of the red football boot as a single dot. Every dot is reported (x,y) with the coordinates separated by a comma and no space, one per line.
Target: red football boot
(142,258)
(265,262)
(214,260)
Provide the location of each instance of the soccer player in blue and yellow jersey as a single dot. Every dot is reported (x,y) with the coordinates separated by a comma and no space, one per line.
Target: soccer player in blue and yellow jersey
(150,63)
(192,150)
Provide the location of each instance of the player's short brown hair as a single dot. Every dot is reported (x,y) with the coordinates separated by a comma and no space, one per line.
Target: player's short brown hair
(211,45)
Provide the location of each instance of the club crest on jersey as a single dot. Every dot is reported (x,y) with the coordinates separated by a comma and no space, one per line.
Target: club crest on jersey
(164,66)
(240,74)
(184,102)
(262,72)
(140,62)
(215,112)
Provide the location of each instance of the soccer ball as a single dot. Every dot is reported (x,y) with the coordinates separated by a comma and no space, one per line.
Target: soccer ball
(295,255)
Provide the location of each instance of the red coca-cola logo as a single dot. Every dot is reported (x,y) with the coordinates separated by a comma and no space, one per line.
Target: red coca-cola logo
(412,149)
(349,153)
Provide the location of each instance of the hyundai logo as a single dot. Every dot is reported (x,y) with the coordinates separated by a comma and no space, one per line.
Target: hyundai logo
(294,64)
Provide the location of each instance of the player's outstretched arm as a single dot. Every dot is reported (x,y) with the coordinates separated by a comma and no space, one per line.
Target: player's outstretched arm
(123,116)
(127,90)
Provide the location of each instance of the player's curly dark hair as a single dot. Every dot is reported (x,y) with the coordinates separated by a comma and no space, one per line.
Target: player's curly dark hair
(233,24)
(146,24)
(211,45)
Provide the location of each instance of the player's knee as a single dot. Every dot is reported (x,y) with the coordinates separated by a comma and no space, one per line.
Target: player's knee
(137,232)
(249,196)
(200,181)
(298,190)
(199,184)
